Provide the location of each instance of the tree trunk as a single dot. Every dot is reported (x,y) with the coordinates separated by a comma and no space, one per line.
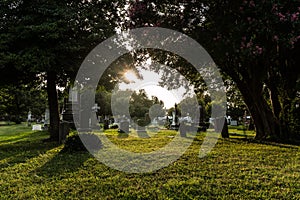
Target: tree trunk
(53,106)
(276,107)
(266,124)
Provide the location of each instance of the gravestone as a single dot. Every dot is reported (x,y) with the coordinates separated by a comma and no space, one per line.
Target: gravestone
(234,123)
(154,122)
(85,121)
(66,122)
(94,118)
(29,118)
(175,124)
(124,127)
(222,127)
(183,129)
(141,129)
(106,123)
(74,102)
(64,129)
(47,119)
(67,113)
(37,127)
(85,111)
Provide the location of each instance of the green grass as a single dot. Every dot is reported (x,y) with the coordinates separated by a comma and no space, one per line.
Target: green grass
(236,169)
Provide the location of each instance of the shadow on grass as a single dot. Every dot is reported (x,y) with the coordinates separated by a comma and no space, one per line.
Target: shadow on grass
(20,149)
(18,138)
(62,163)
(289,145)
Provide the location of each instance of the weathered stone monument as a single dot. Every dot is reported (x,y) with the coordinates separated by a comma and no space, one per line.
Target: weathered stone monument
(183,129)
(47,119)
(222,126)
(124,125)
(141,128)
(29,118)
(85,112)
(70,110)
(106,123)
(175,124)
(94,117)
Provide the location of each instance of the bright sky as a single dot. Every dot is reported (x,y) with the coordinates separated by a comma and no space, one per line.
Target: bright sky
(150,84)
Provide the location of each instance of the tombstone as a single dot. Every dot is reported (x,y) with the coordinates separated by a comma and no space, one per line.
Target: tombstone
(154,122)
(183,129)
(37,127)
(106,123)
(73,96)
(224,132)
(85,111)
(234,123)
(141,129)
(124,127)
(228,118)
(47,119)
(67,113)
(29,118)
(174,124)
(85,121)
(222,127)
(64,129)
(94,118)
(74,105)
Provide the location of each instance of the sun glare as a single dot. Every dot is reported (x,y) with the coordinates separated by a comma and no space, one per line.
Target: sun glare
(130,76)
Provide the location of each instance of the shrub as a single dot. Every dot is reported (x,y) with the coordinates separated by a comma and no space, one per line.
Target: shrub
(74,142)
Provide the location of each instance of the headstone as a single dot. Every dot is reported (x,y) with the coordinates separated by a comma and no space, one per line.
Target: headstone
(73,96)
(64,129)
(234,123)
(183,129)
(85,121)
(47,116)
(37,127)
(175,125)
(225,133)
(29,118)
(85,112)
(173,118)
(141,129)
(154,121)
(67,113)
(94,118)
(221,126)
(106,123)
(124,127)
(47,119)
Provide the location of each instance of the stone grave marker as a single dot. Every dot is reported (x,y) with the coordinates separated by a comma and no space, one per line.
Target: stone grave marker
(47,119)
(37,127)
(106,123)
(124,126)
(29,118)
(94,117)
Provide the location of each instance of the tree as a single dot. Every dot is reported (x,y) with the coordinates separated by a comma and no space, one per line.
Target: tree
(52,38)
(255,43)
(236,106)
(142,108)
(103,98)
(17,101)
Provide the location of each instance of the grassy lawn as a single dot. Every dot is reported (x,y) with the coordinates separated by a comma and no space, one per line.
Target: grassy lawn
(236,169)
